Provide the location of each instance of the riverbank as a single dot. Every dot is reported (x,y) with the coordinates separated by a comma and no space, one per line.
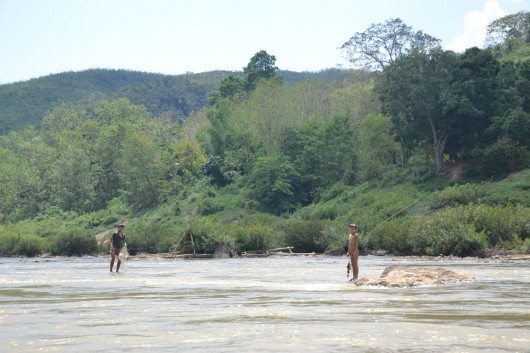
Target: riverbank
(491,256)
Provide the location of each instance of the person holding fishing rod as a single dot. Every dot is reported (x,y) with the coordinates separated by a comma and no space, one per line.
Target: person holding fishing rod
(353,251)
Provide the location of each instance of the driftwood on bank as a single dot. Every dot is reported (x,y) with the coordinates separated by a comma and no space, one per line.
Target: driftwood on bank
(222,252)
(170,255)
(285,251)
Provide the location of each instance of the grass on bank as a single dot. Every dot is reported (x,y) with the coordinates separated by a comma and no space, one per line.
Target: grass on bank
(438,217)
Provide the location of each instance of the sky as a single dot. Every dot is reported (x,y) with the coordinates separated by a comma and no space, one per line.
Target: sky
(42,37)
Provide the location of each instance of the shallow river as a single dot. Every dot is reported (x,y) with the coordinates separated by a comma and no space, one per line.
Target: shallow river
(290,304)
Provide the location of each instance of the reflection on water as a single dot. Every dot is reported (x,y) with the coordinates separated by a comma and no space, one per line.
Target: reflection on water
(293,304)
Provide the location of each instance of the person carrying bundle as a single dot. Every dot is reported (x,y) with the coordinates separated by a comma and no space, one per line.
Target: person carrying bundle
(117,242)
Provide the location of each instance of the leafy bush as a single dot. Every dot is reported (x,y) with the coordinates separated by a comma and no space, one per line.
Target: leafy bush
(503,156)
(373,207)
(198,236)
(118,207)
(336,190)
(29,245)
(325,211)
(209,206)
(459,231)
(502,224)
(443,233)
(273,182)
(245,237)
(104,218)
(457,195)
(391,236)
(337,241)
(76,241)
(441,236)
(213,167)
(526,245)
(305,236)
(8,243)
(512,190)
(150,238)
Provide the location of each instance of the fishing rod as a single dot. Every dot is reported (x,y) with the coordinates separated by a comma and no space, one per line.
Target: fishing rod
(389,218)
(349,266)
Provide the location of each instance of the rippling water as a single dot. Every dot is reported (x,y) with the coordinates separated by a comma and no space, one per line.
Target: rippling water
(292,304)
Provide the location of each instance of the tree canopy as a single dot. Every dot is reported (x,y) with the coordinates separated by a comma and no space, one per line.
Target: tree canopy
(509,36)
(383,43)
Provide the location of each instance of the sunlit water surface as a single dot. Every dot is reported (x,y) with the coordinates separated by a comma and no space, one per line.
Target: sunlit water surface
(290,304)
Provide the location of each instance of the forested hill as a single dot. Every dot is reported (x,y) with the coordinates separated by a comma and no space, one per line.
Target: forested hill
(25,103)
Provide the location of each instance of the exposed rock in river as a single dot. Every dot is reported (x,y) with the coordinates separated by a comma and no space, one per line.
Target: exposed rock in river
(404,276)
(224,252)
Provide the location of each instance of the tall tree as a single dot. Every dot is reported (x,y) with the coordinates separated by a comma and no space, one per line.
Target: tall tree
(273,183)
(323,152)
(383,43)
(510,31)
(261,66)
(139,169)
(509,37)
(411,90)
(61,117)
(377,147)
(231,87)
(471,101)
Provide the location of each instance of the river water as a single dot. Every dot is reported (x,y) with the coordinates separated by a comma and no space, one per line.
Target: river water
(288,304)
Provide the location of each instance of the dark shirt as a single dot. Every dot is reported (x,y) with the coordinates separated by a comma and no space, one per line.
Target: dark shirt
(117,241)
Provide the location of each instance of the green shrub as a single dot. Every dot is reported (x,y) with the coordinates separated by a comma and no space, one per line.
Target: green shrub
(501,224)
(337,242)
(373,207)
(29,245)
(526,246)
(512,190)
(305,236)
(505,155)
(16,242)
(8,242)
(448,232)
(457,195)
(337,190)
(76,241)
(245,237)
(118,207)
(254,232)
(441,235)
(391,236)
(209,206)
(325,211)
(150,238)
(198,236)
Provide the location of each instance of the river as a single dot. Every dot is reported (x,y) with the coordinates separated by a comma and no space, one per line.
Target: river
(286,304)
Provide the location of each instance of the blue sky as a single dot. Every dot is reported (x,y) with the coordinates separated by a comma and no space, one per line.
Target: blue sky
(41,37)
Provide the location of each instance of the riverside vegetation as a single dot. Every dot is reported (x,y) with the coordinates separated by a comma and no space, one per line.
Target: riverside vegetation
(426,150)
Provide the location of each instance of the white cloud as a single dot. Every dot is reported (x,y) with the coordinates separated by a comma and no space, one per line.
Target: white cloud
(475,26)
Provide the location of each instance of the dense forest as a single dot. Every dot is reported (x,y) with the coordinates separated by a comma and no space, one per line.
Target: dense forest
(427,150)
(25,103)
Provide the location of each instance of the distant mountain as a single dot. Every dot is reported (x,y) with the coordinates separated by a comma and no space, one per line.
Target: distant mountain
(25,103)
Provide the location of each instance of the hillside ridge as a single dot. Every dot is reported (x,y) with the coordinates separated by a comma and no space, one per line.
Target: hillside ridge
(26,103)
